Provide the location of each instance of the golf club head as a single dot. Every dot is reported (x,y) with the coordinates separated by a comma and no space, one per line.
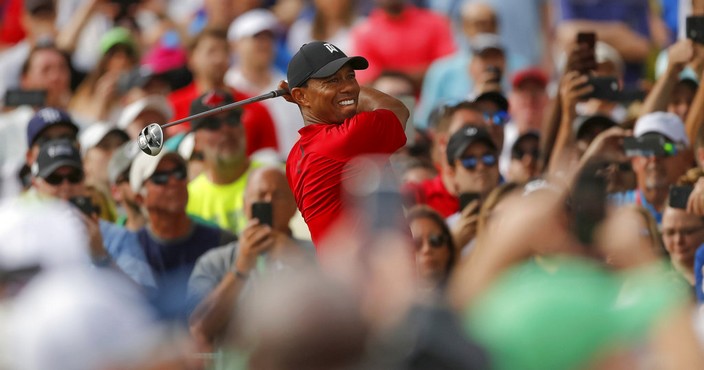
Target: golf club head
(151,139)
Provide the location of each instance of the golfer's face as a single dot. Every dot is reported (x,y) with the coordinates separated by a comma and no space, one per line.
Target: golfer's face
(334,99)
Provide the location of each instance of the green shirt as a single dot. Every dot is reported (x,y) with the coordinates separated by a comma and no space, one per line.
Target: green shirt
(562,317)
(219,204)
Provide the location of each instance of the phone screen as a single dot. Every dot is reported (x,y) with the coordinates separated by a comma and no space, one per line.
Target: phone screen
(262,211)
(605,88)
(679,195)
(588,39)
(695,28)
(466,198)
(18,97)
(84,204)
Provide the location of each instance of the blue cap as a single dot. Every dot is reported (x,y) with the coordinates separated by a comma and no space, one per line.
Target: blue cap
(44,118)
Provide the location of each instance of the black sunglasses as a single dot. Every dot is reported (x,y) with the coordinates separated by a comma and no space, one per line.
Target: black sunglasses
(74,177)
(435,241)
(161,178)
(471,163)
(519,153)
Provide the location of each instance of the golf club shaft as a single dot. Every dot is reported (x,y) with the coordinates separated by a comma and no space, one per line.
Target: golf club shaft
(228,107)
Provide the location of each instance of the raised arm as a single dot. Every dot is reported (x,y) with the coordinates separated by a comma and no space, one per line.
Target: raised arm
(678,55)
(371,99)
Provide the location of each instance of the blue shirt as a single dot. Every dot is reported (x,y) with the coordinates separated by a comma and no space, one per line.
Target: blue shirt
(447,80)
(172,262)
(125,251)
(635,197)
(698,265)
(634,13)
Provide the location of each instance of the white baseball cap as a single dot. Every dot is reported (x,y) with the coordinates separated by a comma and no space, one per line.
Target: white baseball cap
(48,233)
(666,124)
(144,165)
(155,103)
(251,23)
(95,133)
(81,319)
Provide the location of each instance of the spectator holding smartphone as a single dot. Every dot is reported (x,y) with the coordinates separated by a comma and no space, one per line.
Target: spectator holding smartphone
(221,274)
(474,167)
(58,173)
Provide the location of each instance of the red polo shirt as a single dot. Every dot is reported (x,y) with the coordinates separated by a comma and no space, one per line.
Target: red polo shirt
(316,166)
(408,43)
(433,193)
(258,125)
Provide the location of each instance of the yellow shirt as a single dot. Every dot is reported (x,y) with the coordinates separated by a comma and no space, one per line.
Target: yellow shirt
(219,204)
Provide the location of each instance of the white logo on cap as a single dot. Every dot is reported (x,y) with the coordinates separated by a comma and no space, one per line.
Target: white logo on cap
(331,48)
(49,115)
(470,131)
(59,150)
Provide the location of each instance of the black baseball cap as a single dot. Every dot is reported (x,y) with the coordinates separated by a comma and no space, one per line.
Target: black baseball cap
(318,60)
(466,136)
(55,154)
(210,100)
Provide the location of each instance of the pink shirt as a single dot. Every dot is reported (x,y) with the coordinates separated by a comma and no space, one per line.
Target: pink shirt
(406,43)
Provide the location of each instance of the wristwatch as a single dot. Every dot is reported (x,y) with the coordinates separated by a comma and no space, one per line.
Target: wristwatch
(102,261)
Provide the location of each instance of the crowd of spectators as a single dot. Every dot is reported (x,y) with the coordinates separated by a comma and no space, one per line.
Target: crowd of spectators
(540,206)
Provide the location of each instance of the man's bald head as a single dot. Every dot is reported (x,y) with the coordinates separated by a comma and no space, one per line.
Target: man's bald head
(478,17)
(269,184)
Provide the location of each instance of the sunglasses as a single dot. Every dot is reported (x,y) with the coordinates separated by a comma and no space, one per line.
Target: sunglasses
(435,241)
(519,154)
(161,178)
(74,177)
(497,118)
(471,163)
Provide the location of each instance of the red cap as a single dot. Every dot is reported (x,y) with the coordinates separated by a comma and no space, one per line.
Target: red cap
(529,74)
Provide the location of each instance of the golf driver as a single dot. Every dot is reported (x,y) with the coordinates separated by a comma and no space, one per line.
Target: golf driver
(151,138)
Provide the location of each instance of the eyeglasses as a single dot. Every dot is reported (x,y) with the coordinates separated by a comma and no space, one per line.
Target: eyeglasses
(161,178)
(471,163)
(497,118)
(435,241)
(519,153)
(74,177)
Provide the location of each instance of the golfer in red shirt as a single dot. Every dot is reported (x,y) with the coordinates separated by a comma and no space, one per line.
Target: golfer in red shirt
(342,121)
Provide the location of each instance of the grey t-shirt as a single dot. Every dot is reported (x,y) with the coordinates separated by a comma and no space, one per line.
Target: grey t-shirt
(212,266)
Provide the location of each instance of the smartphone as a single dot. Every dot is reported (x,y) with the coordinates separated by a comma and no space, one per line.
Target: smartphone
(679,195)
(695,28)
(644,146)
(588,202)
(17,97)
(589,40)
(605,88)
(84,204)
(466,198)
(262,211)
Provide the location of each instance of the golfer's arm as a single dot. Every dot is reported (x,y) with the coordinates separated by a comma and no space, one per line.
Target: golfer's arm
(372,99)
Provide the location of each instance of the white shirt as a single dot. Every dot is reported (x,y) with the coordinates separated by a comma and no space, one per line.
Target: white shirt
(13,148)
